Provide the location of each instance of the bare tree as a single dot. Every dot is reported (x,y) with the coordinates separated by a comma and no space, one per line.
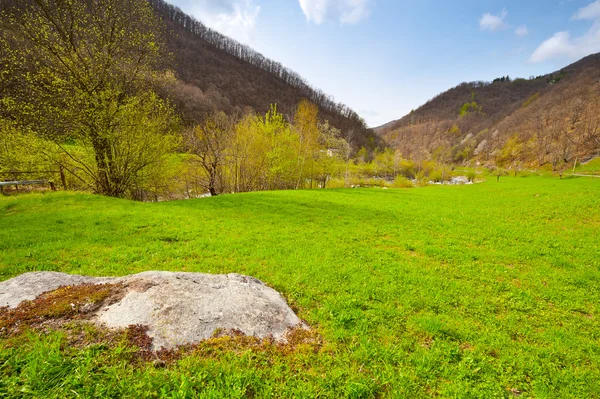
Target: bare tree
(208,144)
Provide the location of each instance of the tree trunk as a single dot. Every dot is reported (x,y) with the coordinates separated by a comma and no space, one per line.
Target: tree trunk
(106,181)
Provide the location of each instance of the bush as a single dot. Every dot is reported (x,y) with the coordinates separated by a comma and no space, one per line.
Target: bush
(402,182)
(471,175)
(435,175)
(369,182)
(336,183)
(407,169)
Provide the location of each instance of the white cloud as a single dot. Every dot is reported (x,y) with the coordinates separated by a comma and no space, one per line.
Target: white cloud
(493,22)
(558,45)
(562,45)
(368,112)
(234,18)
(522,31)
(347,11)
(592,11)
(315,10)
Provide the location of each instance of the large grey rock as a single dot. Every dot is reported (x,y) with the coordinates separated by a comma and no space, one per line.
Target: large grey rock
(178,308)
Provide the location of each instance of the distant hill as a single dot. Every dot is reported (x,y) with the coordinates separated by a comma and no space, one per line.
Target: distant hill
(223,74)
(545,120)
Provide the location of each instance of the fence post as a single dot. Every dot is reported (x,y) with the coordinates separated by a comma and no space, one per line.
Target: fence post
(15,178)
(63,178)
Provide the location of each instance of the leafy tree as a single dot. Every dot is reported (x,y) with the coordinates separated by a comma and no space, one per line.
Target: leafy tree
(80,71)
(498,172)
(20,152)
(454,130)
(511,154)
(333,155)
(362,155)
(249,158)
(306,124)
(407,168)
(267,153)
(283,153)
(385,164)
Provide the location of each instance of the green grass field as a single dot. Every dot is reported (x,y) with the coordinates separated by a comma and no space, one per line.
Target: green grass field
(483,291)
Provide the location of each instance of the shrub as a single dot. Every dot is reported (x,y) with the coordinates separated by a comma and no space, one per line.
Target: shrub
(436,175)
(402,182)
(471,175)
(407,169)
(336,183)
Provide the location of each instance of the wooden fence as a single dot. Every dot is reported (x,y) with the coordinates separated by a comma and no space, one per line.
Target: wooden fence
(15,180)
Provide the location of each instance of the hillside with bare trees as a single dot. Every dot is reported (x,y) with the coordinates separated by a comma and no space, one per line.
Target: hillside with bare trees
(545,121)
(221,74)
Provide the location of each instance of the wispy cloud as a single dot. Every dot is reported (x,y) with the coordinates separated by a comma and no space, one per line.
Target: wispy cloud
(522,31)
(562,45)
(368,112)
(592,11)
(346,11)
(493,22)
(235,18)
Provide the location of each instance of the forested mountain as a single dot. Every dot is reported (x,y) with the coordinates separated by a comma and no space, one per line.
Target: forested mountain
(545,120)
(222,74)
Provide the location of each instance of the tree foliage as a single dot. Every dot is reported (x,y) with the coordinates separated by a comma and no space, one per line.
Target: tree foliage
(266,152)
(79,78)
(20,152)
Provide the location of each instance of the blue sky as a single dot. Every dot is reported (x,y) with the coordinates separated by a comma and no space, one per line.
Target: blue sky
(386,57)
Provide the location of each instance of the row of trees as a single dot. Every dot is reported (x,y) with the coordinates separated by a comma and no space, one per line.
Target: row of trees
(256,152)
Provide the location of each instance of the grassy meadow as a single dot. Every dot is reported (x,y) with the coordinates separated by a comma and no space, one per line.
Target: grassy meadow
(483,291)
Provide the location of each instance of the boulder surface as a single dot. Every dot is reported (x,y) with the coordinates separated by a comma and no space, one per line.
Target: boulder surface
(177,308)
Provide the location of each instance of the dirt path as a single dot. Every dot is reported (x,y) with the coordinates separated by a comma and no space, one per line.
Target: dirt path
(581,175)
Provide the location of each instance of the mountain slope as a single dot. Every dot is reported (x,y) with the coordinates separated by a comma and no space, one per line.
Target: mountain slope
(229,76)
(548,119)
